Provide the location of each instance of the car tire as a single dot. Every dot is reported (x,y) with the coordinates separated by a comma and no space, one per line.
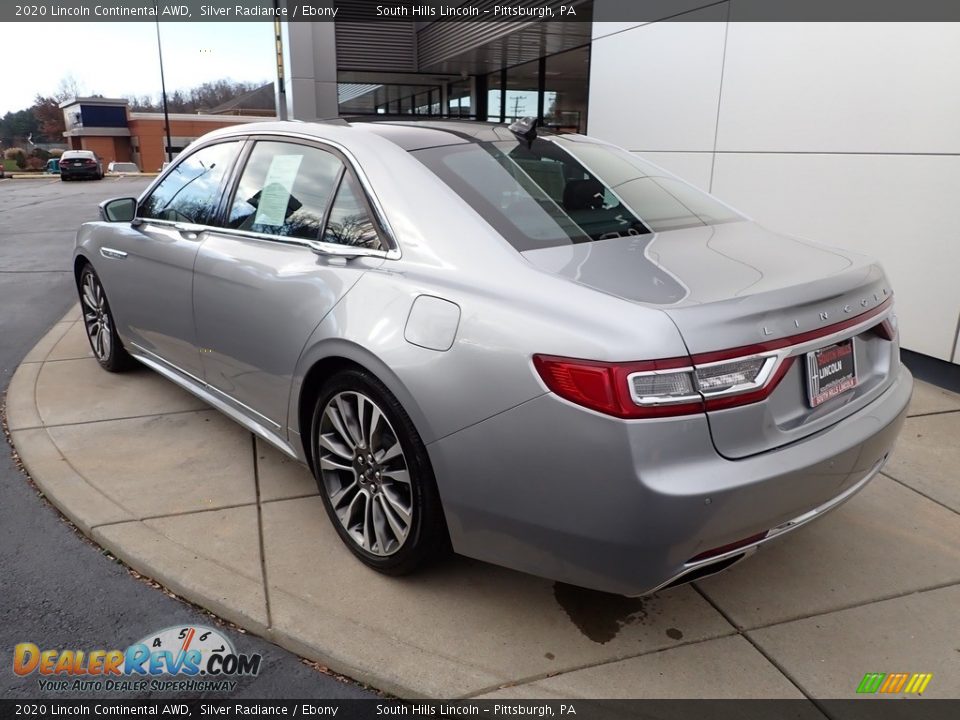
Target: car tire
(63,178)
(99,324)
(374,475)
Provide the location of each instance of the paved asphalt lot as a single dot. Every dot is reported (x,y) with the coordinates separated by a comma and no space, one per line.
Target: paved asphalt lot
(58,590)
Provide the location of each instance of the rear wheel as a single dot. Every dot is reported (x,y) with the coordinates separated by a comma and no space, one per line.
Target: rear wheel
(374,475)
(98,322)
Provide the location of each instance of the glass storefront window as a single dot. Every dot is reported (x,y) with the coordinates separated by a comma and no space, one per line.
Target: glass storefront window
(458,100)
(392,99)
(558,96)
(553,88)
(523,87)
(565,90)
(494,96)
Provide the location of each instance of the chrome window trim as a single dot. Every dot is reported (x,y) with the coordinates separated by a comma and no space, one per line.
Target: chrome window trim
(323,248)
(318,246)
(375,204)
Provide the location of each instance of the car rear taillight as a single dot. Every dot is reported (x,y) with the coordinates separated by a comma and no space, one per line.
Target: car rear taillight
(888,329)
(719,384)
(686,385)
(662,388)
(607,387)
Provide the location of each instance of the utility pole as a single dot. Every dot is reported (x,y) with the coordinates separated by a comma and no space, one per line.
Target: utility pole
(163,91)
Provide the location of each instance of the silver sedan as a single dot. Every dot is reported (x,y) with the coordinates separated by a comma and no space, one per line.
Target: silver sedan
(538,349)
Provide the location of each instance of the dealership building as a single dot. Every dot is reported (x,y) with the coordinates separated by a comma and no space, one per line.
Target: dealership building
(845,133)
(108,127)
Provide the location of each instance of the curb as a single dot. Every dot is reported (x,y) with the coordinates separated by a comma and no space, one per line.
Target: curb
(179,570)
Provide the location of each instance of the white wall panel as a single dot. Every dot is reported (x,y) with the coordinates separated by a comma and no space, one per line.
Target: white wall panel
(692,167)
(604,28)
(900,209)
(656,87)
(839,87)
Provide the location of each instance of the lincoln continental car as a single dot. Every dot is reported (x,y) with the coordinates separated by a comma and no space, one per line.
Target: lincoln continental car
(539,350)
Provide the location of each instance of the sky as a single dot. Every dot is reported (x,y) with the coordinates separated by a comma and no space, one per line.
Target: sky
(120,59)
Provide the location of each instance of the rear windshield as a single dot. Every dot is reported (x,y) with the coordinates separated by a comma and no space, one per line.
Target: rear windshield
(559,191)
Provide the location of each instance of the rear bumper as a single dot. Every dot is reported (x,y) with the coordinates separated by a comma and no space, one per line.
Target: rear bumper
(623,506)
(715,562)
(79,172)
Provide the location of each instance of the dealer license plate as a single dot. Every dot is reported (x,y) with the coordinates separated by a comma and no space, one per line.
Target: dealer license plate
(831,370)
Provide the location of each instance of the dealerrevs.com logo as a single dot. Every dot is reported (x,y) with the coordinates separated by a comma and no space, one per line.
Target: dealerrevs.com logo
(201,658)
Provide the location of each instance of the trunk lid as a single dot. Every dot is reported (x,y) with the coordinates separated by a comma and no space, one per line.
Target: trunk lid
(737,284)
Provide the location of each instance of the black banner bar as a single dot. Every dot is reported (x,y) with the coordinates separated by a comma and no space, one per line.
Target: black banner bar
(872,708)
(424,11)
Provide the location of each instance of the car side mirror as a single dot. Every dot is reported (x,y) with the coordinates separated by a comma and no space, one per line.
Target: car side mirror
(118,210)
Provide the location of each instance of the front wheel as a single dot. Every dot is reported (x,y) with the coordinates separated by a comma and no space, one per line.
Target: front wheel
(98,322)
(374,475)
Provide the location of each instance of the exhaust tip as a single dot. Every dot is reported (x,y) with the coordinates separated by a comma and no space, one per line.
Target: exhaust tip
(706,570)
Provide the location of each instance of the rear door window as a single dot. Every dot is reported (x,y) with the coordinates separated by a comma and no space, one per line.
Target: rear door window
(286,190)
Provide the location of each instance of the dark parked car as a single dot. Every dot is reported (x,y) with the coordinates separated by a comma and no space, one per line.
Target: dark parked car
(80,164)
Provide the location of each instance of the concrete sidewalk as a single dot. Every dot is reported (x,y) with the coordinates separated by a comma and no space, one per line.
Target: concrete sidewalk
(189,498)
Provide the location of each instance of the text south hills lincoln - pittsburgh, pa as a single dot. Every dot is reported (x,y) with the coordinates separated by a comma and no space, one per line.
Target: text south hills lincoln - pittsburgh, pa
(469,11)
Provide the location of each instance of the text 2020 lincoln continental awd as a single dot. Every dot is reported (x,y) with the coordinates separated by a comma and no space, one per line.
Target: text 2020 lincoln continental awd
(537,348)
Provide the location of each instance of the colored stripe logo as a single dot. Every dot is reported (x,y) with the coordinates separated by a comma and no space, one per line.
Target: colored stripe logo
(894,683)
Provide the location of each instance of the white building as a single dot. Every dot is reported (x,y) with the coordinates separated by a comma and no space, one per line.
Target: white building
(845,133)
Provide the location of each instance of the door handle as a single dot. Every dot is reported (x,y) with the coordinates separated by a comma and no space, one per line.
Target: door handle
(189,230)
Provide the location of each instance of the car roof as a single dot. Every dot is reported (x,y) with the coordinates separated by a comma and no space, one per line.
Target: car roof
(419,134)
(85,153)
(407,133)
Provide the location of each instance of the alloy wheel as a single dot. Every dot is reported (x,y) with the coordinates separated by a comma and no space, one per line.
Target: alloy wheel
(364,473)
(96,316)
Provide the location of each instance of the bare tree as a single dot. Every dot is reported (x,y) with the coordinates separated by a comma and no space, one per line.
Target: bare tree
(67,89)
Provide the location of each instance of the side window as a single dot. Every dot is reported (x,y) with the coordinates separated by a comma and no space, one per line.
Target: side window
(350,222)
(192,189)
(285,190)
